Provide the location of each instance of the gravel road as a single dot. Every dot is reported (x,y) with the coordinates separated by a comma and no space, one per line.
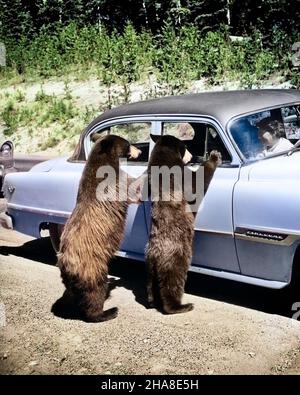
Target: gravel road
(234,328)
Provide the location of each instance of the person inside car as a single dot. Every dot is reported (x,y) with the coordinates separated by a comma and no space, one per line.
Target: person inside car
(271,134)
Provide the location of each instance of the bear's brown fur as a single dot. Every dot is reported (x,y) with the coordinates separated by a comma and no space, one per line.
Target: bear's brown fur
(169,250)
(214,160)
(93,233)
(207,170)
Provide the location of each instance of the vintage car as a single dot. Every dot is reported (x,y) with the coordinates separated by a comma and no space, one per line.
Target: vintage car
(6,159)
(247,227)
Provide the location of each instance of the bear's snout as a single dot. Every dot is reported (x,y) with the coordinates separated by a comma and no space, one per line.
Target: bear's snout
(134,152)
(187,157)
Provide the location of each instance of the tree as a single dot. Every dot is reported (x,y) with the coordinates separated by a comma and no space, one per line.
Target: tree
(15,19)
(265,16)
(52,12)
(49,12)
(208,14)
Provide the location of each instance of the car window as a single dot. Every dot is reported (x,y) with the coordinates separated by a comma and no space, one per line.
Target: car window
(6,154)
(181,130)
(267,132)
(291,121)
(200,139)
(138,134)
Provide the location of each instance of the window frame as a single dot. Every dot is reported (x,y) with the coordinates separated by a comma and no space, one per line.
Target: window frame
(157,129)
(208,125)
(240,116)
(100,128)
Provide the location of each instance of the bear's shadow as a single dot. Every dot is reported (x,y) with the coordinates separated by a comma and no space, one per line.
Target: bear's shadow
(132,276)
(39,250)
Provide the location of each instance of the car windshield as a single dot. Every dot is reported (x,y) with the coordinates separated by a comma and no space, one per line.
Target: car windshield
(267,133)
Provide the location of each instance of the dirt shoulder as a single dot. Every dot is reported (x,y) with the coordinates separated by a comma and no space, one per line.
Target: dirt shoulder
(219,336)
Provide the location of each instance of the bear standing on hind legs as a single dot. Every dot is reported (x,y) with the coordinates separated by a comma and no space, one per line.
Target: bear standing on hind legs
(94,231)
(169,250)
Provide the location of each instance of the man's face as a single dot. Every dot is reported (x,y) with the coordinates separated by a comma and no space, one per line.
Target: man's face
(266,138)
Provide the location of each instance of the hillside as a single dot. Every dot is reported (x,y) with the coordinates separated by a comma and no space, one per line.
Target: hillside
(58,76)
(48,117)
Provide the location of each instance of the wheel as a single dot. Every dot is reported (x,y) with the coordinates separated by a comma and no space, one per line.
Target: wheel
(55,231)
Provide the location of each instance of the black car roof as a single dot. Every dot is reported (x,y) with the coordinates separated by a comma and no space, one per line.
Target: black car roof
(221,105)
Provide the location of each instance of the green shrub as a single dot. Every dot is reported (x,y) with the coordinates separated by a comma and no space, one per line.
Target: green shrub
(10,116)
(41,96)
(176,55)
(295,77)
(50,142)
(20,96)
(59,110)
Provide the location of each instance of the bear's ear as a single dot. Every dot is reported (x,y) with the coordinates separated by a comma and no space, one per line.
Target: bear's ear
(96,136)
(155,137)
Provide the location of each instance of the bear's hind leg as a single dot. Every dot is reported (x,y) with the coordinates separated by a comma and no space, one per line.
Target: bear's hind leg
(153,293)
(173,305)
(150,295)
(171,291)
(91,301)
(177,308)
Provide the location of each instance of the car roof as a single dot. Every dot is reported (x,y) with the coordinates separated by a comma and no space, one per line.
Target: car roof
(220,105)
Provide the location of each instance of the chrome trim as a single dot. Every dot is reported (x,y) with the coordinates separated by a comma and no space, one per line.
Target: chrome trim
(53,213)
(235,159)
(239,277)
(290,240)
(216,273)
(214,232)
(66,214)
(11,189)
(130,255)
(284,237)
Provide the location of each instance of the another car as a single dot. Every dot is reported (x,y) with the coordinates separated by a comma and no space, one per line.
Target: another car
(6,159)
(10,163)
(248,224)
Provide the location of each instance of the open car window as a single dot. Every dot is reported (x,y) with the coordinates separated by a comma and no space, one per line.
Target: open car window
(199,138)
(138,134)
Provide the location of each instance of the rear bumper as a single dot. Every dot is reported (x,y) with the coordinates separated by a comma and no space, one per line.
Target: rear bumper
(30,222)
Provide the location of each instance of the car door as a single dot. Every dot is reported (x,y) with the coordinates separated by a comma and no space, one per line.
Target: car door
(214,244)
(266,232)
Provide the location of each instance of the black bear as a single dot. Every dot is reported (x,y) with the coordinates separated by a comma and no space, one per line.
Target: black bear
(169,250)
(93,233)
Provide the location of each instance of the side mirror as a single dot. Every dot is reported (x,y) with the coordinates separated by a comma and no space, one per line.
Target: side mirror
(7,154)
(155,137)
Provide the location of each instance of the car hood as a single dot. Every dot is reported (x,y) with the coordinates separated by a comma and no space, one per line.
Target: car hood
(282,167)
